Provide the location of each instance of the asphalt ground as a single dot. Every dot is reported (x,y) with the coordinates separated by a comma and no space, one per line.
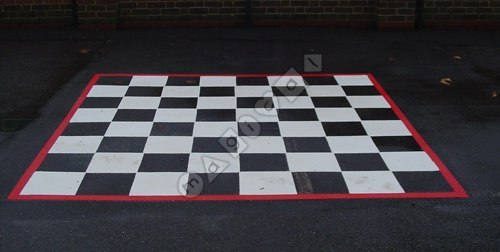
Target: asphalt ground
(44,71)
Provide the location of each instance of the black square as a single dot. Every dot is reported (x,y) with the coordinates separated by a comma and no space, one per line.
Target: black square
(215,144)
(217,91)
(114,80)
(263,162)
(360,90)
(423,181)
(172,129)
(144,91)
(258,129)
(396,143)
(361,162)
(66,162)
(330,102)
(178,102)
(255,102)
(252,81)
(106,184)
(183,81)
(319,182)
(101,102)
(343,128)
(306,144)
(122,144)
(290,91)
(164,163)
(322,80)
(131,115)
(207,115)
(376,114)
(297,115)
(213,184)
(86,129)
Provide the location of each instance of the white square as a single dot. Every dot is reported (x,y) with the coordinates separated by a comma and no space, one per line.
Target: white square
(284,102)
(180,91)
(217,102)
(107,91)
(139,103)
(325,90)
(337,115)
(213,129)
(202,163)
(93,115)
(409,161)
(352,144)
(217,81)
(76,144)
(353,80)
(368,101)
(129,129)
(372,182)
(115,163)
(262,144)
(53,183)
(168,144)
(149,81)
(301,129)
(159,184)
(175,115)
(266,183)
(286,81)
(253,91)
(258,114)
(386,128)
(312,162)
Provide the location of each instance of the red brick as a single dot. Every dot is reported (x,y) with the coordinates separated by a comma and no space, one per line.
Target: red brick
(25,1)
(197,11)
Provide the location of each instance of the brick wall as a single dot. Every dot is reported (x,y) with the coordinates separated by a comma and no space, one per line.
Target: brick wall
(178,12)
(461,12)
(396,13)
(356,12)
(145,13)
(35,13)
(97,13)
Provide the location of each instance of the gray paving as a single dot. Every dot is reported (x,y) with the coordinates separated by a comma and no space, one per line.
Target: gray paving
(459,121)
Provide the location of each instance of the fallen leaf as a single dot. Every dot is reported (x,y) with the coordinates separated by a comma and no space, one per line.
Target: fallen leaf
(192,82)
(494,94)
(84,50)
(457,57)
(391,59)
(446,81)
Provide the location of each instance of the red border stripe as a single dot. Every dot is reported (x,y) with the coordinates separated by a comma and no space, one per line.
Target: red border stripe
(458,191)
(420,140)
(15,194)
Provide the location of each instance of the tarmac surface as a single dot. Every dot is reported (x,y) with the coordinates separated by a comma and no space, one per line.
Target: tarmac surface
(43,72)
